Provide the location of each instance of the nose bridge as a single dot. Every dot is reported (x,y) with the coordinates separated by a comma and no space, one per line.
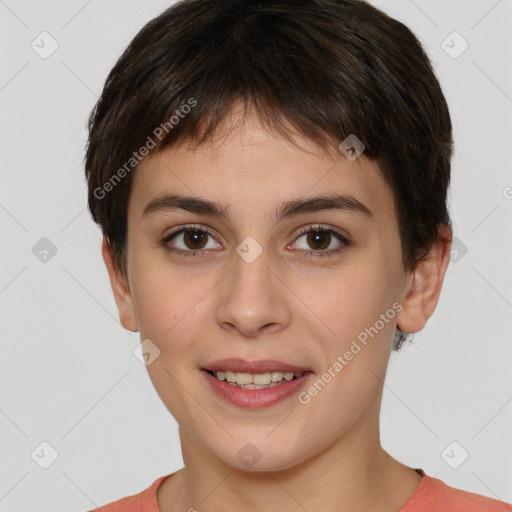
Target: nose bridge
(252,298)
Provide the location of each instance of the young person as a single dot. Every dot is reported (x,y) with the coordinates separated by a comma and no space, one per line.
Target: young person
(270,177)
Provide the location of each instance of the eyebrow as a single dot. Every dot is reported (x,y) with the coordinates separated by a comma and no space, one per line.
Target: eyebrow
(342,202)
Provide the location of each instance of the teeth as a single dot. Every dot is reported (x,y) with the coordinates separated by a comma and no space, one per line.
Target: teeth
(276,376)
(261,378)
(244,378)
(230,376)
(256,381)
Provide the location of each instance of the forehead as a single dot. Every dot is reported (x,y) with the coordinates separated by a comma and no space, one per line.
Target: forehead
(251,170)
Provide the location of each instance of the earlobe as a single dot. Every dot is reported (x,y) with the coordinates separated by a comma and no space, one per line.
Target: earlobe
(424,285)
(120,289)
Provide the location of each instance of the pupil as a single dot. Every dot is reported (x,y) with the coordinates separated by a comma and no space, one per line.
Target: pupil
(197,237)
(317,237)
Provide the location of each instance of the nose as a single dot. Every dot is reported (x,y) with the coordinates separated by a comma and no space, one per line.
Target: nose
(253,298)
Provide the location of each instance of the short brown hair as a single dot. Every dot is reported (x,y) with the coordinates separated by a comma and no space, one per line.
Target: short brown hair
(330,68)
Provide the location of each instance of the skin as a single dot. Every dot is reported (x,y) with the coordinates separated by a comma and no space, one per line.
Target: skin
(325,455)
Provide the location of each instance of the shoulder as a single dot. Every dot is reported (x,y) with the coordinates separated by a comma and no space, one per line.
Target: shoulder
(433,495)
(144,501)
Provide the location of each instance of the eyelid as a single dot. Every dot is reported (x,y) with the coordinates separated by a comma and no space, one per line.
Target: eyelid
(191,227)
(322,227)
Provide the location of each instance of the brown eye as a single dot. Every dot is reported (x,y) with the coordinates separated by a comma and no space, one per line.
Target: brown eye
(195,239)
(190,241)
(318,239)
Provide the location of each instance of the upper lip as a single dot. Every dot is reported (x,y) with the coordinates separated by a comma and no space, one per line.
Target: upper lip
(254,367)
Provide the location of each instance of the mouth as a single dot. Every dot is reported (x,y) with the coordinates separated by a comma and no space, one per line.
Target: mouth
(255,384)
(255,380)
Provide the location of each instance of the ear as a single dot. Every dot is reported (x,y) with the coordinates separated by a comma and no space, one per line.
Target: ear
(122,293)
(424,285)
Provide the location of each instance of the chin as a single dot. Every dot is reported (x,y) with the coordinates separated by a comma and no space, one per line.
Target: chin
(261,453)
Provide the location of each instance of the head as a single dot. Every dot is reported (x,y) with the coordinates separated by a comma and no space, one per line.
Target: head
(247,108)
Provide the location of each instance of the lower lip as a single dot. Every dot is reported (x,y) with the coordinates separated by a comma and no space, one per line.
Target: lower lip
(256,398)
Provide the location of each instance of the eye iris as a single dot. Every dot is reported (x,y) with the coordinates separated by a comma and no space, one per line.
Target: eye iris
(317,237)
(196,237)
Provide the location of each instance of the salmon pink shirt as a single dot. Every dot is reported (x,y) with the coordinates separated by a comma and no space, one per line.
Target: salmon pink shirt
(432,495)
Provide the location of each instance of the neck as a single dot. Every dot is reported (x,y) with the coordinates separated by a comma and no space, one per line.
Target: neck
(353,475)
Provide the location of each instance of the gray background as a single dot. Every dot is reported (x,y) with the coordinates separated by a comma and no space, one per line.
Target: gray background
(68,374)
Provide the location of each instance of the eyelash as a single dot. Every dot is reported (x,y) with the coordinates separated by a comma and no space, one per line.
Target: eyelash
(309,254)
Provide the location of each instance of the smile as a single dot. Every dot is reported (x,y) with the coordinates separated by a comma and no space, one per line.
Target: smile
(258,388)
(255,380)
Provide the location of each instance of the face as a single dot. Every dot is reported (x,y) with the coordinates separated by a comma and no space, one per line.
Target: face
(288,289)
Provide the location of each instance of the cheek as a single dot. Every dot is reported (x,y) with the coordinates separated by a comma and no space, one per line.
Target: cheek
(356,304)
(351,299)
(163,301)
(172,314)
